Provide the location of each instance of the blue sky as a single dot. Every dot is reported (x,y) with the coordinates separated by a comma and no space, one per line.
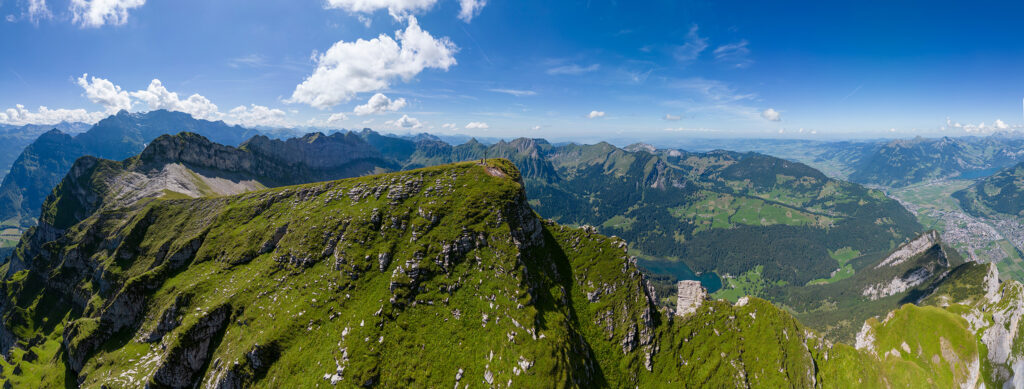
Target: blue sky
(556,69)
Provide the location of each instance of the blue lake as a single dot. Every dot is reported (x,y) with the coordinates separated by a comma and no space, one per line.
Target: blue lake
(970,175)
(710,281)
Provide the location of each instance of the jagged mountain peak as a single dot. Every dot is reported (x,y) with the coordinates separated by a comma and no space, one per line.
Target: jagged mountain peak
(641,147)
(525,146)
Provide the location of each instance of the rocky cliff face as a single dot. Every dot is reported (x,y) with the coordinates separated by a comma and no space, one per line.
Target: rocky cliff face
(314,157)
(913,248)
(921,260)
(690,297)
(317,151)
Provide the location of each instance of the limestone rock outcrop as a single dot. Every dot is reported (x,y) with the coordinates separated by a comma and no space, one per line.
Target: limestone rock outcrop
(689,297)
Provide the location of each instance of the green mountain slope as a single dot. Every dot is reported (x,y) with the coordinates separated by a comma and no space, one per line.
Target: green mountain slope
(430,277)
(1000,193)
(414,275)
(972,315)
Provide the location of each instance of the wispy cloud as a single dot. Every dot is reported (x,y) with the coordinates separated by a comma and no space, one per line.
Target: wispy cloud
(706,95)
(713,90)
(514,92)
(573,69)
(251,60)
(734,54)
(853,92)
(37,10)
(689,51)
(684,129)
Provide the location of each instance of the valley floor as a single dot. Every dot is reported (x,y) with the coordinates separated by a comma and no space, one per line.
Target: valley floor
(997,240)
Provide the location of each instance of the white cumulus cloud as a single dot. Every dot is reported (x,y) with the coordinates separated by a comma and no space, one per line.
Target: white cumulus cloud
(156,96)
(19,115)
(397,8)
(596,114)
(103,92)
(113,98)
(379,103)
(980,128)
(477,126)
(348,68)
(771,115)
(470,8)
(339,117)
(257,115)
(404,122)
(96,13)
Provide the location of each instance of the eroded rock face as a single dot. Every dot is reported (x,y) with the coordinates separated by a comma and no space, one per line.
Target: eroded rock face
(911,249)
(689,297)
(912,264)
(169,320)
(184,362)
(898,284)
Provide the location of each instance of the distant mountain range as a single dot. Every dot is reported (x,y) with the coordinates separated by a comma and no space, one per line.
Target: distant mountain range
(44,162)
(891,163)
(14,139)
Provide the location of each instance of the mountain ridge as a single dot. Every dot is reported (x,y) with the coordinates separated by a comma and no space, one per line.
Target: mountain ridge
(434,276)
(42,164)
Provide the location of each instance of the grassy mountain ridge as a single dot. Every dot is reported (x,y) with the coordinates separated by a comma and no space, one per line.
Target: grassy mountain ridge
(431,277)
(527,317)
